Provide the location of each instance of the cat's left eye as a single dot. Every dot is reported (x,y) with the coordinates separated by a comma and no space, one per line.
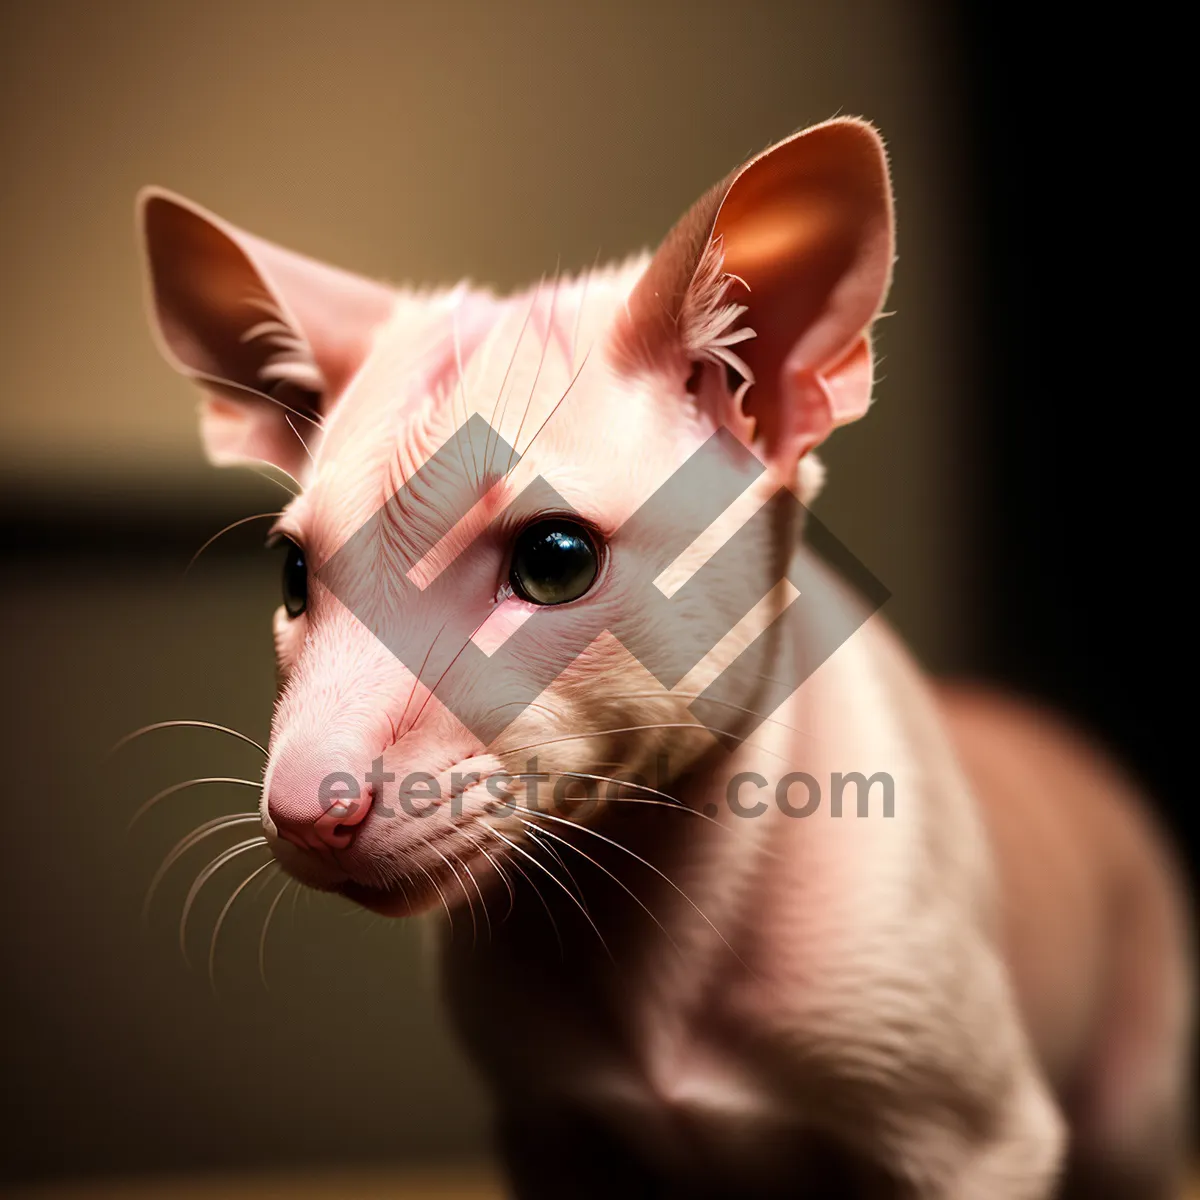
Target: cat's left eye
(554,561)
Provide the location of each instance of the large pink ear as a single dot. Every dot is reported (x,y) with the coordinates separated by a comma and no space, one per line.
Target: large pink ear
(797,246)
(271,337)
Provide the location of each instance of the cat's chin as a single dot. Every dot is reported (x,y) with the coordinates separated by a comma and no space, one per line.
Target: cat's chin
(390,902)
(420,893)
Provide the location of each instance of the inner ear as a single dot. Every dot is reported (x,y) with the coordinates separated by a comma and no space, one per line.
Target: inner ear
(219,320)
(776,276)
(272,337)
(732,376)
(806,239)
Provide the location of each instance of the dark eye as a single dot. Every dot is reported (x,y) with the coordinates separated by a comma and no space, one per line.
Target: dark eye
(553,561)
(295,580)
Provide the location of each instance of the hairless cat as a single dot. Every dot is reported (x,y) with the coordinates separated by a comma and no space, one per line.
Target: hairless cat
(978,991)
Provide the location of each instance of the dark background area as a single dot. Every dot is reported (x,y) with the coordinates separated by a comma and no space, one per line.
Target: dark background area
(1085,517)
(1020,486)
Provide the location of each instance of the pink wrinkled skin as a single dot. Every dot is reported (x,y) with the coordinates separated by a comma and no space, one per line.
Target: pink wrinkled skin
(952,1002)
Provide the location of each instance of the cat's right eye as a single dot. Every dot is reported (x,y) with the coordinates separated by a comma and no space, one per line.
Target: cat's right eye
(295,579)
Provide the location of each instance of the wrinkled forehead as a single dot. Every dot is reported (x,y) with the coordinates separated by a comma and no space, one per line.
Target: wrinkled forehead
(466,396)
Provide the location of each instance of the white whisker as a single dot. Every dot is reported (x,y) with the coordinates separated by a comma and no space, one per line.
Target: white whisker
(462,388)
(537,294)
(492,426)
(487,916)
(550,414)
(559,883)
(618,881)
(499,869)
(590,733)
(292,491)
(184,844)
(222,532)
(216,933)
(587,283)
(262,940)
(303,443)
(667,802)
(536,890)
(188,783)
(463,888)
(137,733)
(531,831)
(650,866)
(205,875)
(753,712)
(541,363)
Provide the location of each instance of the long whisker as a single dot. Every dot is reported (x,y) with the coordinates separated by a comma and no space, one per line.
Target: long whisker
(587,283)
(670,802)
(524,704)
(541,363)
(458,432)
(222,532)
(288,408)
(440,895)
(537,295)
(137,733)
(187,783)
(487,916)
(665,878)
(574,737)
(550,414)
(466,894)
(753,712)
(216,933)
(292,491)
(303,443)
(531,833)
(558,883)
(536,891)
(679,808)
(417,676)
(449,667)
(462,388)
(618,881)
(697,725)
(262,940)
(508,370)
(205,875)
(499,869)
(184,844)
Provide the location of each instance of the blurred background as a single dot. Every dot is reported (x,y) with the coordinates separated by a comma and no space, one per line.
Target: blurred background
(1003,488)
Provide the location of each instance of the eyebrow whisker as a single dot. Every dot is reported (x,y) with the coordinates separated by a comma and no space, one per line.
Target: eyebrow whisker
(550,414)
(492,426)
(221,533)
(541,363)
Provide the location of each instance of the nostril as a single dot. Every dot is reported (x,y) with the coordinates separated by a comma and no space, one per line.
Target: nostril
(338,825)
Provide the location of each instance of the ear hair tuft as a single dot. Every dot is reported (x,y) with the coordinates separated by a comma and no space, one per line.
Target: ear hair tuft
(708,319)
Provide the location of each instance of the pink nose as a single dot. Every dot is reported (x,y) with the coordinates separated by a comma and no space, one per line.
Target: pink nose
(323,828)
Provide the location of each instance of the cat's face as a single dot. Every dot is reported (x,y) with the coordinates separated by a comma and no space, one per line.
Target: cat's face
(493,607)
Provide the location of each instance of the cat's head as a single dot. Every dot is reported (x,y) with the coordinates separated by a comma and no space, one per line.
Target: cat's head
(526,528)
